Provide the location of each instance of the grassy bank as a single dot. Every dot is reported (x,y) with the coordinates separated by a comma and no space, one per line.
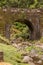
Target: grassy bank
(10,54)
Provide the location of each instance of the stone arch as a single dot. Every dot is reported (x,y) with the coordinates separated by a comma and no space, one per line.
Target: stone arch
(29,24)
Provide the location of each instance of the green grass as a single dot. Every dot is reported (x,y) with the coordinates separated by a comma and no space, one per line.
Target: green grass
(11,55)
(8,52)
(23,29)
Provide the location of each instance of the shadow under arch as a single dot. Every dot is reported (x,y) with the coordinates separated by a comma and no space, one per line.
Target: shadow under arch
(29,24)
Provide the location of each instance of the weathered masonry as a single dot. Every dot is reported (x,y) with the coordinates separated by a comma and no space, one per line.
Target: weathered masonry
(33,18)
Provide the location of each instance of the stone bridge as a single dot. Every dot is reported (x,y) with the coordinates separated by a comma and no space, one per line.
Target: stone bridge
(33,18)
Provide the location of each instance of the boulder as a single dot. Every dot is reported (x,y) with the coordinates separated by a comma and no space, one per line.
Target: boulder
(27,59)
(33,53)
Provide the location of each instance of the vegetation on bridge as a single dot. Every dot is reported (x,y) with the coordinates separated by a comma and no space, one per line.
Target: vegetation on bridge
(22,3)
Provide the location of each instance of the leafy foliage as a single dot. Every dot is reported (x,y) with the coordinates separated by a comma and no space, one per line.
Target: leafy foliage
(11,55)
(22,3)
(19,30)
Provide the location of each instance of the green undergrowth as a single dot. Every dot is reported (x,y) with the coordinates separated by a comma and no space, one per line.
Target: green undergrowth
(11,55)
(19,30)
(39,50)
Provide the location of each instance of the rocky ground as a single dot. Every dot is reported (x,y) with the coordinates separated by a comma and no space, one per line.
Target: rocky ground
(34,56)
(23,52)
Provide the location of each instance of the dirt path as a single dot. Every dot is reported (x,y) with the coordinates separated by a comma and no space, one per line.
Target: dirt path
(5,63)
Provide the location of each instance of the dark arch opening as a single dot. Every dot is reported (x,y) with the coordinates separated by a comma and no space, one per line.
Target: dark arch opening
(29,24)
